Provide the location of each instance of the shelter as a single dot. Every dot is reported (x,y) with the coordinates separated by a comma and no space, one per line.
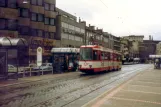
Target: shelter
(13,51)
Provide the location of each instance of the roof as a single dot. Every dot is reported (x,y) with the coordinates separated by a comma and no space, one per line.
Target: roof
(7,41)
(65,50)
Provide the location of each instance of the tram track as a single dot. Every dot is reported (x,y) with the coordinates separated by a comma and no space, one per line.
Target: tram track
(81,88)
(75,88)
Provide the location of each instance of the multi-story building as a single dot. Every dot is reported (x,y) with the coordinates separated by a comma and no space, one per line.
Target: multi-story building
(116,43)
(33,20)
(158,48)
(147,47)
(138,38)
(69,31)
(93,36)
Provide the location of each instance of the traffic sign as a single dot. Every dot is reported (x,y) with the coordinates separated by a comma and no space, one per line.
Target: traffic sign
(39,56)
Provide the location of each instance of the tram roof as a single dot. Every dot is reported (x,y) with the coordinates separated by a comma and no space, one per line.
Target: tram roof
(97,47)
(65,50)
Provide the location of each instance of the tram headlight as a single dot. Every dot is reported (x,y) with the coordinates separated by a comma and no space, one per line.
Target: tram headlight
(90,66)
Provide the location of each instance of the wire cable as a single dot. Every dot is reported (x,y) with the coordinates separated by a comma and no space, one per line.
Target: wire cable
(103,3)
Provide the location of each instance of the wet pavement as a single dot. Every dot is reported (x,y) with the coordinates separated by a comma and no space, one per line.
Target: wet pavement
(71,90)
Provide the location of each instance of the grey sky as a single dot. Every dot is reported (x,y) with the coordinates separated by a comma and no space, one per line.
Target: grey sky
(120,17)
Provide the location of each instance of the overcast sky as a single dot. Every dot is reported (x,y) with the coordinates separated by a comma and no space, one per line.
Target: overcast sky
(119,17)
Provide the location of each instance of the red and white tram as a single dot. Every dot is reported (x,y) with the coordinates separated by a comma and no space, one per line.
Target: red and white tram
(94,58)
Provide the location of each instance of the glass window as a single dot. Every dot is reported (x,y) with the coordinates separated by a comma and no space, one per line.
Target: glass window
(46,6)
(3,3)
(40,2)
(47,21)
(12,3)
(12,24)
(65,36)
(86,54)
(52,35)
(40,17)
(40,33)
(34,2)
(3,24)
(33,32)
(52,21)
(23,30)
(52,7)
(95,55)
(46,34)
(24,12)
(33,16)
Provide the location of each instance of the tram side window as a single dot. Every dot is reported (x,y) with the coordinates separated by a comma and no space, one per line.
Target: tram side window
(95,55)
(102,55)
(105,56)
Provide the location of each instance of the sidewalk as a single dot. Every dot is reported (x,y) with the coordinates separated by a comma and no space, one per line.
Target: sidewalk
(34,78)
(144,90)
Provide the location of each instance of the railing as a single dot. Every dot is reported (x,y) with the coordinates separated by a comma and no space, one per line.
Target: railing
(30,71)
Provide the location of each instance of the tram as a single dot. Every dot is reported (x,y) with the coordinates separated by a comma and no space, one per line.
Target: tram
(94,58)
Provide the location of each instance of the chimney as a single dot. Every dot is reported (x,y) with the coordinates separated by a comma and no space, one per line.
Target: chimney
(79,20)
(149,37)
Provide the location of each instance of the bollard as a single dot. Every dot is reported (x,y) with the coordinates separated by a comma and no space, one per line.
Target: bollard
(30,71)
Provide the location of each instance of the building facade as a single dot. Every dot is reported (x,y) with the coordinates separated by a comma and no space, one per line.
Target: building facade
(138,38)
(116,43)
(147,47)
(33,20)
(158,48)
(69,31)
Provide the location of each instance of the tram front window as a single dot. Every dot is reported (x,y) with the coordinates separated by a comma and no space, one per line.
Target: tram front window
(85,54)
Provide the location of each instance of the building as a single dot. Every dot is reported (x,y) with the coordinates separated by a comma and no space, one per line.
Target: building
(33,20)
(138,38)
(158,48)
(116,43)
(69,31)
(94,36)
(147,47)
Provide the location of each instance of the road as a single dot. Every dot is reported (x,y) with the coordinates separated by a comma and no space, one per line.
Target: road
(70,91)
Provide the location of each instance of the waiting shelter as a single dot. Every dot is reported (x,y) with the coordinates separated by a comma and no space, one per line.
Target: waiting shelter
(14,53)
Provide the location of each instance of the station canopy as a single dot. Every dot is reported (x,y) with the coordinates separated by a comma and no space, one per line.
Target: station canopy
(65,50)
(9,42)
(155,56)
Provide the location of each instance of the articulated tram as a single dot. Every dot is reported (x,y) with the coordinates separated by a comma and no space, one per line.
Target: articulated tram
(94,58)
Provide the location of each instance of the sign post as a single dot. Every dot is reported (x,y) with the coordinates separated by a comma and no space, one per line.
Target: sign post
(39,56)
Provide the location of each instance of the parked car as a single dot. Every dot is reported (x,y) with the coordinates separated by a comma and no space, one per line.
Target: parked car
(45,67)
(12,68)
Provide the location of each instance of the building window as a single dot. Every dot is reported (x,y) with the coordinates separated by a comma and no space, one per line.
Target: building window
(47,21)
(33,16)
(34,32)
(40,2)
(47,6)
(52,35)
(40,33)
(51,21)
(33,2)
(12,3)
(40,17)
(3,24)
(3,3)
(24,12)
(12,24)
(23,30)
(65,36)
(46,34)
(52,7)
